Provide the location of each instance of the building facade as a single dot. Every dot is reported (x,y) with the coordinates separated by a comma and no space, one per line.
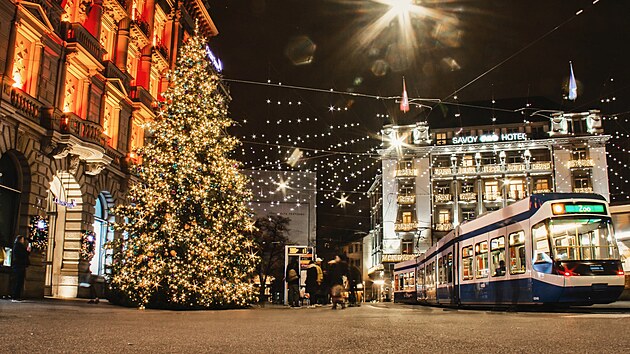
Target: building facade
(435,179)
(79,80)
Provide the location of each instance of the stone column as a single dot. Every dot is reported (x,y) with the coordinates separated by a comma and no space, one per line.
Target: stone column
(122,44)
(93,21)
(8,66)
(143,77)
(61,80)
(37,63)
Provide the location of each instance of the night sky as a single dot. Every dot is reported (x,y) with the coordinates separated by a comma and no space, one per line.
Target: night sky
(444,51)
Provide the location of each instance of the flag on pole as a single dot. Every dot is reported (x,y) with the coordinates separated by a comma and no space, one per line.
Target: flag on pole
(404,102)
(572,84)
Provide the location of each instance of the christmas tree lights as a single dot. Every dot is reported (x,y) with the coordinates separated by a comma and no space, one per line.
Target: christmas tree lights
(185,242)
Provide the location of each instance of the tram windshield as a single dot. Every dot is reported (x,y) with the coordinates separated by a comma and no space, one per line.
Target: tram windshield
(575,239)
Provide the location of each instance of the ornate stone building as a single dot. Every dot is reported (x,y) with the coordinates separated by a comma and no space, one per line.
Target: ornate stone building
(79,80)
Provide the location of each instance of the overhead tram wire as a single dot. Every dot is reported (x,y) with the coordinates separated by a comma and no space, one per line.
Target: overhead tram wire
(579,12)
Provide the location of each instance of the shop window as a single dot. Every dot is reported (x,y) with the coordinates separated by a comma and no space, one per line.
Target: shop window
(10,190)
(103,233)
(481,259)
(517,252)
(497,255)
(467,263)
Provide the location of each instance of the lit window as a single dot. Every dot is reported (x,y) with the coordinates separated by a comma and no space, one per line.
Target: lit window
(481,255)
(517,252)
(497,254)
(467,263)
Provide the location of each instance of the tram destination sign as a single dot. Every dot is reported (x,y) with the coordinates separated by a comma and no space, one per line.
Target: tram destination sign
(585,208)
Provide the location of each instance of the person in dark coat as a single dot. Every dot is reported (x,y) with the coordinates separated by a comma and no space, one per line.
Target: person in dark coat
(354,279)
(338,270)
(19,262)
(312,283)
(292,278)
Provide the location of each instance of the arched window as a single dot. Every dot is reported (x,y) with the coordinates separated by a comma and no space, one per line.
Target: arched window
(10,190)
(102,229)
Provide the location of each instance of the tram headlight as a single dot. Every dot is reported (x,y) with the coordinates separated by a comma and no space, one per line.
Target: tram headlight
(558,209)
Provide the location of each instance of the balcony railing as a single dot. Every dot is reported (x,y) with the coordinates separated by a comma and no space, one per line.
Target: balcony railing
(142,25)
(25,104)
(467,170)
(468,197)
(444,227)
(406,172)
(541,191)
(85,130)
(491,197)
(442,171)
(118,8)
(76,33)
(405,226)
(540,166)
(406,199)
(581,163)
(491,168)
(583,190)
(443,198)
(113,72)
(515,167)
(140,94)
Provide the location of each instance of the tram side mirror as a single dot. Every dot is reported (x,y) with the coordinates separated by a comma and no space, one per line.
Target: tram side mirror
(542,257)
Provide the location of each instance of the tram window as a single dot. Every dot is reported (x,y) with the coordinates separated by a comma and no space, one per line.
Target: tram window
(467,263)
(497,254)
(517,252)
(449,268)
(441,270)
(420,276)
(540,238)
(481,258)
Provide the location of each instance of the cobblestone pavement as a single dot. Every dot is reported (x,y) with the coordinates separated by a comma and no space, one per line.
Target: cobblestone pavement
(76,327)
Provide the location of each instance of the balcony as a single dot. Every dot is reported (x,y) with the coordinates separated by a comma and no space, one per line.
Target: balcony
(444,226)
(442,171)
(117,8)
(468,197)
(491,197)
(443,198)
(540,166)
(406,172)
(140,32)
(160,56)
(85,130)
(75,34)
(406,199)
(515,167)
(581,163)
(491,168)
(541,191)
(141,95)
(23,102)
(583,190)
(113,72)
(405,226)
(467,170)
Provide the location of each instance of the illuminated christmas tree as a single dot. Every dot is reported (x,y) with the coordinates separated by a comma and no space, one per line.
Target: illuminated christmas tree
(186,243)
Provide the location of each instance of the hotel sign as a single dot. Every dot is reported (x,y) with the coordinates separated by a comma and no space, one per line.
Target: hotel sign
(489,138)
(216,62)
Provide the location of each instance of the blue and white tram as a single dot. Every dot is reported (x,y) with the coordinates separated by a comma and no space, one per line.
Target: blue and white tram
(556,248)
(405,282)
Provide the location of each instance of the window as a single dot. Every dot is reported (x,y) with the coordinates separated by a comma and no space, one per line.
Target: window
(517,252)
(497,254)
(481,254)
(581,181)
(540,238)
(468,214)
(468,160)
(491,190)
(407,247)
(10,190)
(441,270)
(579,154)
(517,189)
(111,118)
(541,184)
(468,187)
(103,233)
(444,216)
(137,136)
(440,139)
(449,268)
(406,217)
(467,263)
(583,239)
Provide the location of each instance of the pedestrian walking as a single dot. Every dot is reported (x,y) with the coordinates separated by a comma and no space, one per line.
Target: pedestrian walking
(19,262)
(313,283)
(338,271)
(292,278)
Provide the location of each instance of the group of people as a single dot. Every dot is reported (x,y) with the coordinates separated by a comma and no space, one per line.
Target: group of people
(324,284)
